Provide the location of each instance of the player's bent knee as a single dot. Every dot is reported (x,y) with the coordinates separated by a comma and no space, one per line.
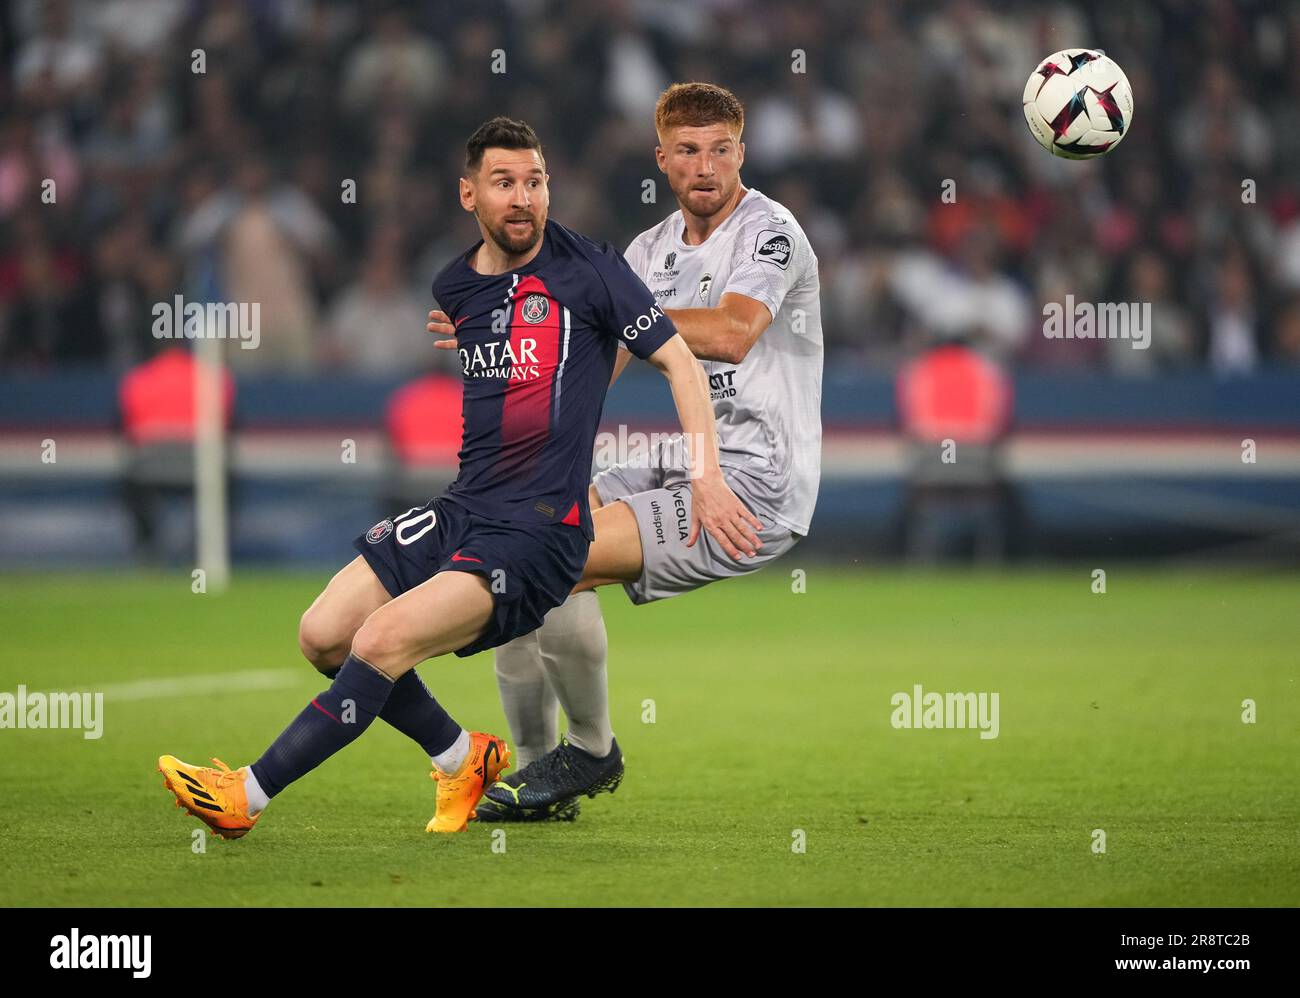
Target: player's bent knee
(320,642)
(380,642)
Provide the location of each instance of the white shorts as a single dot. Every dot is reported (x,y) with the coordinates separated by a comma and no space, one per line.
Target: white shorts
(660,499)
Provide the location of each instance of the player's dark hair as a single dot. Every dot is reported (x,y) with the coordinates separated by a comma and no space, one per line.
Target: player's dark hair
(498,133)
(696,105)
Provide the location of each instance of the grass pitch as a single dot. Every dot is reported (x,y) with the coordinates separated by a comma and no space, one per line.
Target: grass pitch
(771,715)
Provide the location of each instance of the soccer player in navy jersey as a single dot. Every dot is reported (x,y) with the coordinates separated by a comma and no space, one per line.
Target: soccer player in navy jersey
(739,279)
(540,312)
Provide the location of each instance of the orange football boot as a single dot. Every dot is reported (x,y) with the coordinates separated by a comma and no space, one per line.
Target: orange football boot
(458,792)
(215,796)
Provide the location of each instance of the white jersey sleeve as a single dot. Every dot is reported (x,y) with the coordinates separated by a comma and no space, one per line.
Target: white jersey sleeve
(769,258)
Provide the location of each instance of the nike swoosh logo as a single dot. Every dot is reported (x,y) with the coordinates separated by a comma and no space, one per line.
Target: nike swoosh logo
(460,320)
(459,557)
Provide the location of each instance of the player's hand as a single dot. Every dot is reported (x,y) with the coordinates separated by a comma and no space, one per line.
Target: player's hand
(441,325)
(715,508)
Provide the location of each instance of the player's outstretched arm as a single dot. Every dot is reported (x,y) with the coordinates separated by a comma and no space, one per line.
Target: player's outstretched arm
(714,507)
(725,332)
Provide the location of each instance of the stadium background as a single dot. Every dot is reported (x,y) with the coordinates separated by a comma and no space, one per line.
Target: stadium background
(1120,709)
(226,185)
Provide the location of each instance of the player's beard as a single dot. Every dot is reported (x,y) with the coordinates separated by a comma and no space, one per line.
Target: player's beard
(511,244)
(707,207)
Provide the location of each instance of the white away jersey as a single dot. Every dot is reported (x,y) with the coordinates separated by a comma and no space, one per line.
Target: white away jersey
(768,407)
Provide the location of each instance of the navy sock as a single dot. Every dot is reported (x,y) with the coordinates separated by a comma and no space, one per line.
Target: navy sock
(332,720)
(413,711)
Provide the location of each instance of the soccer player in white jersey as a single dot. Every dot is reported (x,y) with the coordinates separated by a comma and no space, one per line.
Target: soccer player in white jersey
(737,276)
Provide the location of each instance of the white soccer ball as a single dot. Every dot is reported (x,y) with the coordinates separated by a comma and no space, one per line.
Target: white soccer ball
(1078,103)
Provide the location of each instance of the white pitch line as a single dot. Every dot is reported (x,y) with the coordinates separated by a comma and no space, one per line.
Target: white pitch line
(191,686)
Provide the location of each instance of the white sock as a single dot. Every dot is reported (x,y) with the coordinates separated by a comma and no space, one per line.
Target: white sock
(450,760)
(527,699)
(574,648)
(257,798)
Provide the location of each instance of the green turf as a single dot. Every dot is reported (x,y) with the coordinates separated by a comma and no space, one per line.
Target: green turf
(1119,711)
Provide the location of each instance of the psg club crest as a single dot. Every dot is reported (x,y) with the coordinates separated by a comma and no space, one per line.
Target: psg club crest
(379,531)
(536,308)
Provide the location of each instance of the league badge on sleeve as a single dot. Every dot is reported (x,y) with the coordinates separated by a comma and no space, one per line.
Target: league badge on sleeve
(773,247)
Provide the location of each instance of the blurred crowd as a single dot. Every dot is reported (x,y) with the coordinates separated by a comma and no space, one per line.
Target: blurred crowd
(304,153)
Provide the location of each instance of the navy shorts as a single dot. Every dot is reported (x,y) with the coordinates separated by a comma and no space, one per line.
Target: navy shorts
(530,568)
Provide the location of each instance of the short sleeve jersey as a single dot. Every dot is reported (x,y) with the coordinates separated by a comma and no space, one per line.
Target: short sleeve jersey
(537,348)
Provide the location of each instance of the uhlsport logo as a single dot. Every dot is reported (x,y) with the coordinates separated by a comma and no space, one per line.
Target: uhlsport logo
(102,952)
(706,282)
(536,308)
(680,514)
(773,247)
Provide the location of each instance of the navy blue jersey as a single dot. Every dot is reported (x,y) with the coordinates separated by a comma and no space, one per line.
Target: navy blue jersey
(537,348)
